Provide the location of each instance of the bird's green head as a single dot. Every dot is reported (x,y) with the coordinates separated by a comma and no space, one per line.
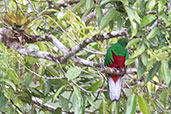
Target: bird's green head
(123,41)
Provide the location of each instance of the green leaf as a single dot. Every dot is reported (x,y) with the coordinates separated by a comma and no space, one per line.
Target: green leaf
(133,18)
(150,63)
(35,112)
(154,42)
(145,58)
(163,96)
(17,101)
(73,72)
(58,111)
(118,106)
(57,93)
(8,82)
(133,42)
(111,15)
(131,105)
(160,36)
(161,5)
(90,100)
(153,71)
(64,103)
(107,1)
(120,22)
(50,10)
(96,85)
(52,70)
(25,96)
(28,78)
(99,14)
(151,4)
(143,105)
(3,101)
(111,25)
(147,20)
(13,76)
(104,108)
(36,93)
(133,15)
(53,20)
(129,61)
(81,3)
(61,82)
(78,101)
(166,19)
(89,5)
(46,99)
(152,33)
(46,87)
(31,59)
(42,46)
(141,48)
(141,68)
(166,72)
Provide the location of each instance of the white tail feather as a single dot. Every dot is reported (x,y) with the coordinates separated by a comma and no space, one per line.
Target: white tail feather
(114,89)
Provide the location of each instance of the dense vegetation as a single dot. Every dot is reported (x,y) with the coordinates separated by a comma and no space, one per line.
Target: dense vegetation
(52,55)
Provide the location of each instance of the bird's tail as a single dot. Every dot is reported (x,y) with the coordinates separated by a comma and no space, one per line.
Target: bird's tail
(114,88)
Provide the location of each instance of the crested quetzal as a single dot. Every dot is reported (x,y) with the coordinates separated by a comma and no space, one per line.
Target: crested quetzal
(115,58)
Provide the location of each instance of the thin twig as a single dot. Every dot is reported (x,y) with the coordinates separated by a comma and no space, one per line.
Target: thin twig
(159,84)
(88,50)
(81,87)
(32,6)
(65,33)
(93,51)
(19,7)
(152,81)
(43,77)
(153,25)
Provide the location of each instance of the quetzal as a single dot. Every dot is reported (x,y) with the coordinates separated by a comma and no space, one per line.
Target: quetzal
(115,58)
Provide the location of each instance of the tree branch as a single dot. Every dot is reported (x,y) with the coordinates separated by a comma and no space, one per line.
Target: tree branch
(154,24)
(160,84)
(39,102)
(75,49)
(87,41)
(103,68)
(6,38)
(55,42)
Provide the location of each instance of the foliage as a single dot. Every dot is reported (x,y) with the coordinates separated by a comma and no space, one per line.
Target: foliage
(83,89)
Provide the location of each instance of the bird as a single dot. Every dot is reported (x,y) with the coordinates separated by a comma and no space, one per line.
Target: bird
(115,57)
